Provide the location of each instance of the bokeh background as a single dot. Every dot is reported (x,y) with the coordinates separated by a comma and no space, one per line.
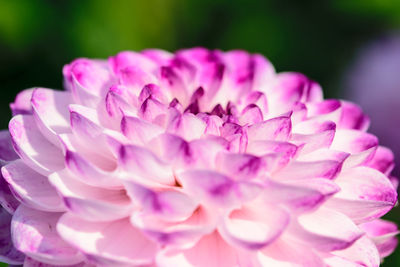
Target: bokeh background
(351,47)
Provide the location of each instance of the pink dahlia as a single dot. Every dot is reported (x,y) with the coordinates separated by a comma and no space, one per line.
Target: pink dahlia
(198,158)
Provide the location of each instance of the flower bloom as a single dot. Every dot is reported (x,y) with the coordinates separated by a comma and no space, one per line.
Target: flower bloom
(199,158)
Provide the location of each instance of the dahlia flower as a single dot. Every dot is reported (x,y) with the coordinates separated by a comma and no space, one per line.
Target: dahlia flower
(198,158)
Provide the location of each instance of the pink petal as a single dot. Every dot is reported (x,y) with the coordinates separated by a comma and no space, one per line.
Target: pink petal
(251,114)
(284,252)
(258,98)
(353,117)
(260,148)
(131,59)
(167,204)
(22,102)
(383,160)
(210,251)
(88,172)
(213,123)
(353,141)
(242,166)
(277,129)
(153,110)
(115,243)
(38,239)
(7,152)
(143,164)
(299,195)
(8,253)
(159,56)
(173,82)
(139,131)
(363,252)
(312,142)
(50,109)
(295,170)
(263,71)
(188,126)
(32,147)
(365,194)
(291,88)
(217,189)
(313,126)
(324,154)
(181,234)
(324,107)
(117,102)
(134,77)
(74,147)
(383,234)
(29,262)
(200,153)
(92,76)
(326,230)
(31,188)
(254,226)
(88,202)
(7,200)
(153,91)
(84,122)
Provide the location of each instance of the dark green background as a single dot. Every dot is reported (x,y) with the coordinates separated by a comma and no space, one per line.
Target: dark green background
(319,38)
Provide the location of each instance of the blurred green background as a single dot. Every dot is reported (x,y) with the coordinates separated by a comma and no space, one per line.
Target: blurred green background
(317,37)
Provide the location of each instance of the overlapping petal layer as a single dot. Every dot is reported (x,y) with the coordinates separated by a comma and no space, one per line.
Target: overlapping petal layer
(198,158)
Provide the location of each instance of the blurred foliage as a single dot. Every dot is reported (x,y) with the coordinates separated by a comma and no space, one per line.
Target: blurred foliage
(318,38)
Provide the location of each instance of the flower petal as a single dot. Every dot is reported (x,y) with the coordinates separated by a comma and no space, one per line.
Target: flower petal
(164,203)
(188,126)
(32,147)
(326,230)
(115,243)
(7,199)
(383,160)
(365,194)
(139,131)
(88,172)
(7,152)
(210,251)
(22,102)
(383,234)
(29,262)
(130,59)
(353,141)
(8,253)
(181,154)
(312,142)
(353,117)
(141,163)
(31,188)
(277,129)
(217,189)
(50,109)
(88,202)
(285,252)
(299,195)
(363,252)
(254,226)
(327,169)
(243,166)
(38,239)
(181,234)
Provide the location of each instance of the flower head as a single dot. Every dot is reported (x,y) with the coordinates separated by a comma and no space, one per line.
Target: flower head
(198,158)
